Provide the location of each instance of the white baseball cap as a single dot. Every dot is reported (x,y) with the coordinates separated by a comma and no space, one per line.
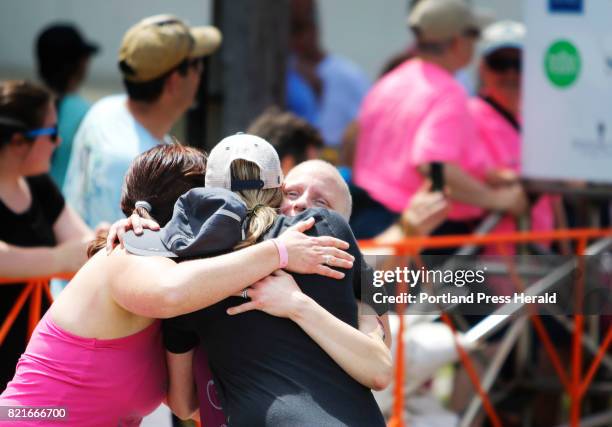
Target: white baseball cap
(502,35)
(245,147)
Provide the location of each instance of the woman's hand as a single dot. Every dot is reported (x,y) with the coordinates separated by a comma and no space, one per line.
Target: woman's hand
(119,228)
(278,295)
(315,255)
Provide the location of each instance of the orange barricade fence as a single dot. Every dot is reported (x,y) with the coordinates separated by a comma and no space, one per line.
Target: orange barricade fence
(574,382)
(33,289)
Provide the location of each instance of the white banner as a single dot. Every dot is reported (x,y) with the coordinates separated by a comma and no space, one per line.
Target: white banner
(567,90)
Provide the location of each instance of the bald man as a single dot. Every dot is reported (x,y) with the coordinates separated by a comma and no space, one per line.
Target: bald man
(316,183)
(364,356)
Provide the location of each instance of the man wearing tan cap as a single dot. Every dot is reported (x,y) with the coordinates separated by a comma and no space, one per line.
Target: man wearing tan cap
(417,114)
(161,62)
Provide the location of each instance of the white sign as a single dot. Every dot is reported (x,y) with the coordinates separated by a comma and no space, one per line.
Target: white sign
(567,90)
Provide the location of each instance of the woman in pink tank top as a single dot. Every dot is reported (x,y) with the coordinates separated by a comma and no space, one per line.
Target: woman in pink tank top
(97,352)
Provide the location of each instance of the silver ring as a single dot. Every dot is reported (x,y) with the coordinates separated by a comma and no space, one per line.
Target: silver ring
(245,293)
(327,259)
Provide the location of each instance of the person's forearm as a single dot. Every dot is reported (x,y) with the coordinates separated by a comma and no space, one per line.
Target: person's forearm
(182,395)
(193,285)
(21,262)
(70,226)
(364,358)
(464,188)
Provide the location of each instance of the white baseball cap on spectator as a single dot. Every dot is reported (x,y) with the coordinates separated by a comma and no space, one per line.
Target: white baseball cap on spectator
(502,35)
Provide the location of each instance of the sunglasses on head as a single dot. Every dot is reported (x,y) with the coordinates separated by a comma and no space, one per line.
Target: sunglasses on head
(51,132)
(501,64)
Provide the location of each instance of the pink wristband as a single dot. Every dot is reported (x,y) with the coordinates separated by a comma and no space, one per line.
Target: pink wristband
(282,253)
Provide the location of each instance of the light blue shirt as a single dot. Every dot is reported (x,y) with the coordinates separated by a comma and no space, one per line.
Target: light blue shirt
(300,98)
(107,141)
(344,87)
(70,112)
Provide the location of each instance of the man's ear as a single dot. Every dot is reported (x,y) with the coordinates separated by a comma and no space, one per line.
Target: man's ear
(483,74)
(172,83)
(454,44)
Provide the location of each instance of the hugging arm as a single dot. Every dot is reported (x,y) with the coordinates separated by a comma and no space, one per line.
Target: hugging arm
(158,287)
(182,395)
(70,253)
(363,353)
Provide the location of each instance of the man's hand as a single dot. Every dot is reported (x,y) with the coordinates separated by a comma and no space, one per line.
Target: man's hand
(501,177)
(425,212)
(511,199)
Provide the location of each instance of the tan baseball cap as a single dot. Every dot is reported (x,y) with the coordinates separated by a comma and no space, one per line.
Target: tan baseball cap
(440,20)
(159,43)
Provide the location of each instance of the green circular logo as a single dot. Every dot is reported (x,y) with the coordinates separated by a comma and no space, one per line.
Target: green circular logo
(562,63)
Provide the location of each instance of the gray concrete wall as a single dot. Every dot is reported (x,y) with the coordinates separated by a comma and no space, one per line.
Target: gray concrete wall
(366,31)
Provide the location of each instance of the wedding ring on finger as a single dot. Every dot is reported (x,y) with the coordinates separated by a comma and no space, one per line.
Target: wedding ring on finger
(327,259)
(245,293)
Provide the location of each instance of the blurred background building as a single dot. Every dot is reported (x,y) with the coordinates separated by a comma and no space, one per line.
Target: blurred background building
(366,32)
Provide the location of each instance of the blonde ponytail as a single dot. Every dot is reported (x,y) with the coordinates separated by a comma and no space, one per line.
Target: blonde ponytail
(262,204)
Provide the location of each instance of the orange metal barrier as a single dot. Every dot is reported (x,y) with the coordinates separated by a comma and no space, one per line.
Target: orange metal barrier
(33,288)
(574,383)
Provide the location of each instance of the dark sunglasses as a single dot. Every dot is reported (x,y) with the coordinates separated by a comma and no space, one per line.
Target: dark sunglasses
(49,131)
(196,63)
(500,64)
(472,33)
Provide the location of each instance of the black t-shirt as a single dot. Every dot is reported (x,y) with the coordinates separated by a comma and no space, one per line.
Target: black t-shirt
(34,227)
(268,372)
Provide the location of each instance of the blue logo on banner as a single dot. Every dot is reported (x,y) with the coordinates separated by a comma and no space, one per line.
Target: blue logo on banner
(571,6)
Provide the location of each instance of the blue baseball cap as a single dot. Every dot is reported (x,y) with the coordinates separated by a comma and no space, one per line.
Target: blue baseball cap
(205,221)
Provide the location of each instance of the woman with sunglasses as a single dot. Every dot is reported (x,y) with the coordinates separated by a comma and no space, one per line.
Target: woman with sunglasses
(39,234)
(497,116)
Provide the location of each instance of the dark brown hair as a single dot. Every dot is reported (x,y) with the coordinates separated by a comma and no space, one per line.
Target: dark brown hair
(158,176)
(288,134)
(23,106)
(151,90)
